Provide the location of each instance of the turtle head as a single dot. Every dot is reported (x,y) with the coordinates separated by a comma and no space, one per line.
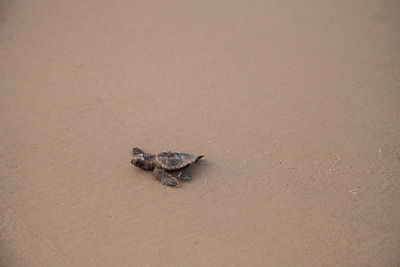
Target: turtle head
(137,151)
(142,160)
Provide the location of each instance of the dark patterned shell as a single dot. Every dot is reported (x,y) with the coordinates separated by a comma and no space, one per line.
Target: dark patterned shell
(171,160)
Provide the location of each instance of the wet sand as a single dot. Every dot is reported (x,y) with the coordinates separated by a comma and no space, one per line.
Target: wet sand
(296,108)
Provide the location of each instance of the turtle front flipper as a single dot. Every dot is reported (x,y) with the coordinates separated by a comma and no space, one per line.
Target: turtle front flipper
(165,177)
(185,174)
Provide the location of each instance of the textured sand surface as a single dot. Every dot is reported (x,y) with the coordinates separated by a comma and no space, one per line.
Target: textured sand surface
(295,104)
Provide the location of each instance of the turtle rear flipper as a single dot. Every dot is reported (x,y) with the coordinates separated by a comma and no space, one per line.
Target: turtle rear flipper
(165,177)
(185,174)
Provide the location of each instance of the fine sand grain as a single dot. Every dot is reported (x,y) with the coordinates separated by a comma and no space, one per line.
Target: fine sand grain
(295,105)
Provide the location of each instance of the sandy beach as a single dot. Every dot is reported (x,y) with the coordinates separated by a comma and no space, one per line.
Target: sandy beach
(295,105)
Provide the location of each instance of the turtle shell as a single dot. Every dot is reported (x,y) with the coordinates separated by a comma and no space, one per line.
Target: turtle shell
(172,160)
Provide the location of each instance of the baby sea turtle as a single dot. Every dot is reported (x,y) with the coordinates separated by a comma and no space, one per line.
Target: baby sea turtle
(163,162)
